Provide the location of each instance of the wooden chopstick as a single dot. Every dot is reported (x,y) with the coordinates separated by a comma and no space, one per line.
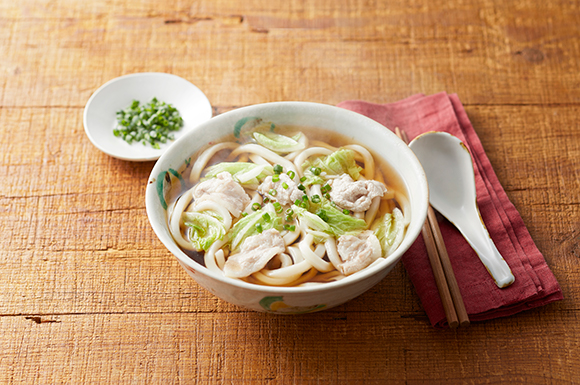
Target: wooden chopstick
(447,268)
(439,274)
(441,265)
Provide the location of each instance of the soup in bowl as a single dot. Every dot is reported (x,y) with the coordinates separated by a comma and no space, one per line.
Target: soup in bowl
(288,207)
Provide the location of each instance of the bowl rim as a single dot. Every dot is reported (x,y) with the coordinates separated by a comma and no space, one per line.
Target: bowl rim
(151,196)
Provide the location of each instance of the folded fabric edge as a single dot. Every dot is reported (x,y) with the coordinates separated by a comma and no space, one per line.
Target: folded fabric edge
(371,110)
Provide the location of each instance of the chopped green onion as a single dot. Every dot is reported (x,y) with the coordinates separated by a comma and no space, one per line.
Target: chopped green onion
(301,187)
(285,185)
(316,170)
(273,192)
(266,200)
(327,196)
(291,174)
(346,212)
(278,169)
(326,188)
(276,178)
(256,206)
(244,214)
(303,179)
(290,212)
(266,217)
(315,198)
(322,214)
(258,227)
(305,197)
(148,124)
(290,227)
(278,207)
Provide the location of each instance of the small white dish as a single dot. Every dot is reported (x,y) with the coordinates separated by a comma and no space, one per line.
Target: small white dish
(99,117)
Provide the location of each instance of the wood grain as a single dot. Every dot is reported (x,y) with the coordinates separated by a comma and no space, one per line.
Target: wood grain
(489,52)
(89,295)
(262,348)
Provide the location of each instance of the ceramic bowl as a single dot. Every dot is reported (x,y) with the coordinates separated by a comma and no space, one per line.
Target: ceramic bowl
(291,300)
(99,116)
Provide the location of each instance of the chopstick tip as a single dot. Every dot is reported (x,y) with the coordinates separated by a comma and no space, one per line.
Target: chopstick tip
(402,135)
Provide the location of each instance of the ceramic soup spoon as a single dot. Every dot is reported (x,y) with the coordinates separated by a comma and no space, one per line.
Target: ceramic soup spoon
(449,169)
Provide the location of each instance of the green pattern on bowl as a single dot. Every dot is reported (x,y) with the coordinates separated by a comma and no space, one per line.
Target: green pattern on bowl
(163,187)
(276,304)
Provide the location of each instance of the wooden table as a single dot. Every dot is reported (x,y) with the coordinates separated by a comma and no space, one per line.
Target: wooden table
(89,295)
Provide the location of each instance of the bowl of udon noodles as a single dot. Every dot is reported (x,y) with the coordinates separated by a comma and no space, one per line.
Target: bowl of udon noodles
(287,207)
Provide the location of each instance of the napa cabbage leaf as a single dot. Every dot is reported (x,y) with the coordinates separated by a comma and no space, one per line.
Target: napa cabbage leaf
(325,220)
(390,230)
(244,173)
(279,143)
(340,162)
(203,229)
(340,222)
(254,223)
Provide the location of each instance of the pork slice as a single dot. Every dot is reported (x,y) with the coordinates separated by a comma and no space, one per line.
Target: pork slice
(357,252)
(355,196)
(225,191)
(255,252)
(284,196)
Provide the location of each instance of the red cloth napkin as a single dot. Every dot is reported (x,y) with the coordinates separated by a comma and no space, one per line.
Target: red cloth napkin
(535,285)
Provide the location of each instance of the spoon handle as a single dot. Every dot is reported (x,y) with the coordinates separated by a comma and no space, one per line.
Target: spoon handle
(477,236)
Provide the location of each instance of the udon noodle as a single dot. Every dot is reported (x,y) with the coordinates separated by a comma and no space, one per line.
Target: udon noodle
(287,206)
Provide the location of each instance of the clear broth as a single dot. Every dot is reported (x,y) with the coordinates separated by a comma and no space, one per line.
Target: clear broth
(389,175)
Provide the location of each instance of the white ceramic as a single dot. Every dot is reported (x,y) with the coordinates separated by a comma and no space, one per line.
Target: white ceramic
(449,169)
(100,111)
(291,299)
